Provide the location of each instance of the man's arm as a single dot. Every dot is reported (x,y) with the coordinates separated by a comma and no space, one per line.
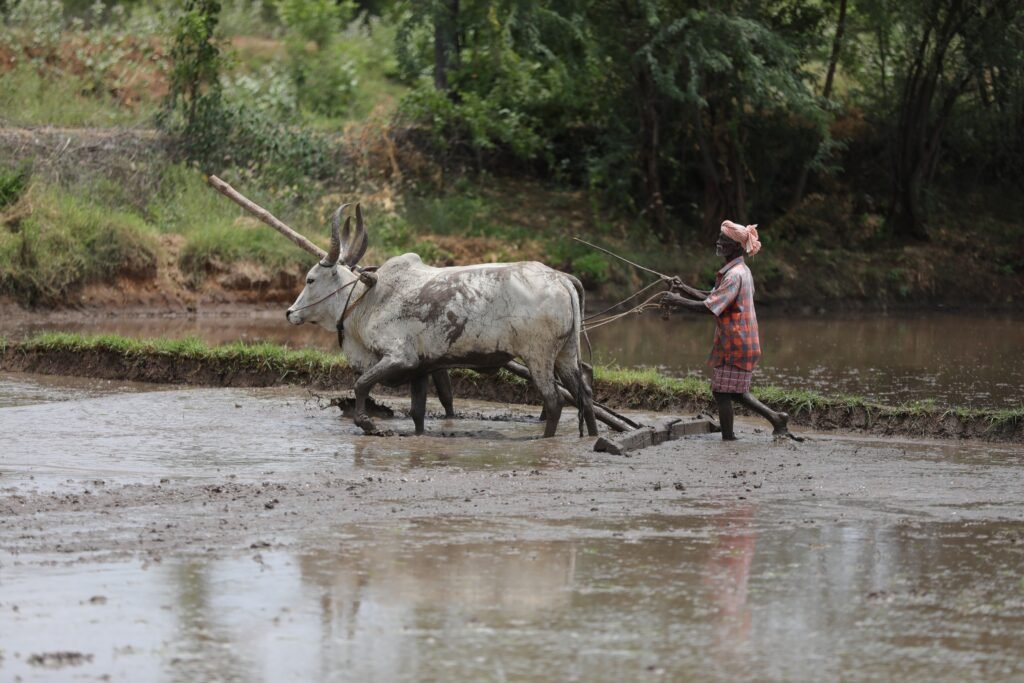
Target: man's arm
(674,300)
(678,285)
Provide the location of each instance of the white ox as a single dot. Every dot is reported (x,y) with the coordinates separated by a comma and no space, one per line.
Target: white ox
(407,320)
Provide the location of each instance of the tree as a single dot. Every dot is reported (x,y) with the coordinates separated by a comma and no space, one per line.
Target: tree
(702,81)
(195,57)
(950,42)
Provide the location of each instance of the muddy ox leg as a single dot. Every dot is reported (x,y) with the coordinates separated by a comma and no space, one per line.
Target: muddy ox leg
(575,377)
(582,394)
(387,368)
(544,379)
(443,386)
(419,402)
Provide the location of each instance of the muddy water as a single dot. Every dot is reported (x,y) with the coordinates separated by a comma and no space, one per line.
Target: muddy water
(247,535)
(951,359)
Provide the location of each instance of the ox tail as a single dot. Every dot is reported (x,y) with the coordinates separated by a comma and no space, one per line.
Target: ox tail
(581,296)
(585,371)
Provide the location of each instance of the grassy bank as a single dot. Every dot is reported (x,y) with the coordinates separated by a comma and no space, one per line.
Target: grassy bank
(191,361)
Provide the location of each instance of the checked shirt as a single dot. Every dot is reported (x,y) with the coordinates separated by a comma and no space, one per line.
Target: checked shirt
(732,301)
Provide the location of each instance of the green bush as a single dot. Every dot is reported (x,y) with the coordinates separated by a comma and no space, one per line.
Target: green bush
(324,75)
(592,269)
(474,124)
(325,80)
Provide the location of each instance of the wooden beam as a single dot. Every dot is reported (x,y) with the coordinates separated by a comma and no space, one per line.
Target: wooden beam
(664,429)
(265,216)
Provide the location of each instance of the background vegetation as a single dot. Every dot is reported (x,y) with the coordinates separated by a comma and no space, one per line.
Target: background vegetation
(877,143)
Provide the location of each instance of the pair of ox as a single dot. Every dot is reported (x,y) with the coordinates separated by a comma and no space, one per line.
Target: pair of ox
(405,322)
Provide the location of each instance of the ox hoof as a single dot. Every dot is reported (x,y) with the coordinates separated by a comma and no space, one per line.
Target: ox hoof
(364,422)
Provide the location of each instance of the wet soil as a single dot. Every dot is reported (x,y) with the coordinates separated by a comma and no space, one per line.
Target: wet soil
(152,532)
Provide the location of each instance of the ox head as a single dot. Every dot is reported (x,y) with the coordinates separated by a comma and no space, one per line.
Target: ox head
(329,282)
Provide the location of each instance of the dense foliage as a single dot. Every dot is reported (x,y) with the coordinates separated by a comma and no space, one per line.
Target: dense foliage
(681,113)
(689,112)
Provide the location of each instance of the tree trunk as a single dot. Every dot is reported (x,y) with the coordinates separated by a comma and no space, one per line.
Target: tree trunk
(446,48)
(837,44)
(650,144)
(826,93)
(918,135)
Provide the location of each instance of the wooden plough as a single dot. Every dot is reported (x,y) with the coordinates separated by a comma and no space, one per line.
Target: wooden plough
(664,429)
(631,435)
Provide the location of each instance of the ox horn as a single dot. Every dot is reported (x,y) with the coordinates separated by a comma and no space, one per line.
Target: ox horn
(357,247)
(336,240)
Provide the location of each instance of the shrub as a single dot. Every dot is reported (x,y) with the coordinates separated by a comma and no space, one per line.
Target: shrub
(473,125)
(591,269)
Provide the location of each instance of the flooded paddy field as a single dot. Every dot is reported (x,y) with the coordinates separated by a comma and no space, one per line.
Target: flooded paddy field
(159,533)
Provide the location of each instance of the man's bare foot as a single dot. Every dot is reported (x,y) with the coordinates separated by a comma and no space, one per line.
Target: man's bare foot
(781,424)
(782,428)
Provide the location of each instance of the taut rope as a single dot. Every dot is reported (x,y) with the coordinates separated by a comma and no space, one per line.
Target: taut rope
(649,302)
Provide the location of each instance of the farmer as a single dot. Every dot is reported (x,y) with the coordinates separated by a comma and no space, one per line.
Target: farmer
(736,348)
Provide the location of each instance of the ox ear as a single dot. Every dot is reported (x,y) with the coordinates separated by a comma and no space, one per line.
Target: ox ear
(355,248)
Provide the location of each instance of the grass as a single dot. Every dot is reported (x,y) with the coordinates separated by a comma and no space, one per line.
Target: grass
(28,98)
(217,232)
(53,242)
(260,355)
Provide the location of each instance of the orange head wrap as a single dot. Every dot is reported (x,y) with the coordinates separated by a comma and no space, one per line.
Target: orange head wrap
(746,235)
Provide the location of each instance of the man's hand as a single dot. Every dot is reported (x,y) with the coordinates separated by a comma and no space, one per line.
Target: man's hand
(674,283)
(672,300)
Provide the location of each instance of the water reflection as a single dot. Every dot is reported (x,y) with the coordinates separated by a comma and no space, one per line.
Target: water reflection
(719,597)
(727,577)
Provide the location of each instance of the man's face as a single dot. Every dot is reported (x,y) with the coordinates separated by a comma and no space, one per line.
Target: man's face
(725,246)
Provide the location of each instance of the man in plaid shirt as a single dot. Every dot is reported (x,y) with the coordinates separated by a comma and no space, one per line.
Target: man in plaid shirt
(736,348)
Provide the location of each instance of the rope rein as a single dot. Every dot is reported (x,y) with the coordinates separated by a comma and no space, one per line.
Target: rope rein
(349,284)
(650,302)
(349,305)
(614,306)
(646,304)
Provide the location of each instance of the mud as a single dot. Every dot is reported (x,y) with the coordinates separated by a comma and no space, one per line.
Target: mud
(152,533)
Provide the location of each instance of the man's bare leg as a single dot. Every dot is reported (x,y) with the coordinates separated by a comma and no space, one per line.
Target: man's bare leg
(779,421)
(725,414)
